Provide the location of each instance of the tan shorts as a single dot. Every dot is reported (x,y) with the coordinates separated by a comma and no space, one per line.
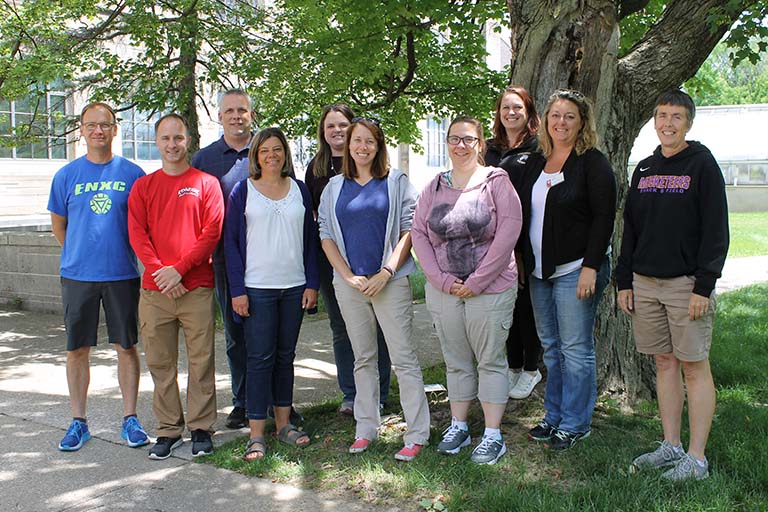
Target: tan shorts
(660,321)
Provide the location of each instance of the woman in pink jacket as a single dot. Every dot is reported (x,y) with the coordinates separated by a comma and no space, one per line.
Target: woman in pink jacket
(465,228)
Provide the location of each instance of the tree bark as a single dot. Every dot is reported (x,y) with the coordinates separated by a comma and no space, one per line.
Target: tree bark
(187,101)
(574,44)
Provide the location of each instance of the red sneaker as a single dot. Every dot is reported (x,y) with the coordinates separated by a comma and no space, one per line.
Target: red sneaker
(408,452)
(360,445)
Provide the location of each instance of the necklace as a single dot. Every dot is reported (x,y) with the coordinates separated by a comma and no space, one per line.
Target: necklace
(334,170)
(451,180)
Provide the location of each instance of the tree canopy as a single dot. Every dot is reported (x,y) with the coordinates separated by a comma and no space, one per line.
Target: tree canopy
(398,60)
(721,82)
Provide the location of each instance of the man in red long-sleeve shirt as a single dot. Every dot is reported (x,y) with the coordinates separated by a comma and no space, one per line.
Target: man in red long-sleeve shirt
(174,223)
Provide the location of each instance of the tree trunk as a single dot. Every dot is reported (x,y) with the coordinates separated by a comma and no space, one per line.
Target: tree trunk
(574,44)
(187,101)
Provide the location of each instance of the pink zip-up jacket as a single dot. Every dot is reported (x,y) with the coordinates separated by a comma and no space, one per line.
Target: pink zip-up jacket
(469,234)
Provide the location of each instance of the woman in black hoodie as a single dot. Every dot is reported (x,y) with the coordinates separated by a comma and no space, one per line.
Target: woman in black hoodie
(514,139)
(673,250)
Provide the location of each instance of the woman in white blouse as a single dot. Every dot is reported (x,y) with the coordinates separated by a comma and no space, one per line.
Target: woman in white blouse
(271,244)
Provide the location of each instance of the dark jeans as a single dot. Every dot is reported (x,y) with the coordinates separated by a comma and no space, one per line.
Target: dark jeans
(342,348)
(271,333)
(523,345)
(233,333)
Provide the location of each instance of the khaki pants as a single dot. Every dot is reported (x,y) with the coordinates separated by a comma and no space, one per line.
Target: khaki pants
(474,329)
(393,308)
(160,318)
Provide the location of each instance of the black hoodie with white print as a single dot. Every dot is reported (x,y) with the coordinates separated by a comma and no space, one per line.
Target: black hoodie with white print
(675,219)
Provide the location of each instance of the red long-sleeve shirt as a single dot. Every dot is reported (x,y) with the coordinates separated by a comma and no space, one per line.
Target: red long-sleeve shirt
(176,220)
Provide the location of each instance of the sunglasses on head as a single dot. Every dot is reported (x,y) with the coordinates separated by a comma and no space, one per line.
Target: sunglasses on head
(371,120)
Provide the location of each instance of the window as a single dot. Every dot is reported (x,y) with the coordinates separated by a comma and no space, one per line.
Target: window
(39,123)
(758,174)
(436,149)
(138,133)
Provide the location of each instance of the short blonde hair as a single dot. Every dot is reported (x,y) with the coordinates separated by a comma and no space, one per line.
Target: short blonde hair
(587,136)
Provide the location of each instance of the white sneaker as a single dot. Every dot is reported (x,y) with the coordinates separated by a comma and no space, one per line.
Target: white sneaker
(513,378)
(525,385)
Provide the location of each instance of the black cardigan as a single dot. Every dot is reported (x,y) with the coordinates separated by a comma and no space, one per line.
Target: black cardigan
(579,213)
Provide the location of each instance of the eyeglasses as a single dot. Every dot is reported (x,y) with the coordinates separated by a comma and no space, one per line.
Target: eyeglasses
(468,140)
(375,122)
(89,127)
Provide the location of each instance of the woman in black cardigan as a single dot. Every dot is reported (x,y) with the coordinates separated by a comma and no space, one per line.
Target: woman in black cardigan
(568,195)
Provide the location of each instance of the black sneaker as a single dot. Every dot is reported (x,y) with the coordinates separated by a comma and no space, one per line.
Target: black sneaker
(563,440)
(237,418)
(295,418)
(542,432)
(201,443)
(164,447)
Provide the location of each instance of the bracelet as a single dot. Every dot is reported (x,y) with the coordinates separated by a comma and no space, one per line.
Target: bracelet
(388,269)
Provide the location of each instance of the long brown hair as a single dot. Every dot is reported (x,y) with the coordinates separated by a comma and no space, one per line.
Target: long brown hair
(324,153)
(500,133)
(380,165)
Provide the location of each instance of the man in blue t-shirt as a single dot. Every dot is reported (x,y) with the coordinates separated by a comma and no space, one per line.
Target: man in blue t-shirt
(89,218)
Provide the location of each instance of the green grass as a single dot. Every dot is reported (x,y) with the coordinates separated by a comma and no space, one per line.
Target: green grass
(590,477)
(749,234)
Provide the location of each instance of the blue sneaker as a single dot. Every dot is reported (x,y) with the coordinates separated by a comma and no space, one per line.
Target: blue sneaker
(133,433)
(77,435)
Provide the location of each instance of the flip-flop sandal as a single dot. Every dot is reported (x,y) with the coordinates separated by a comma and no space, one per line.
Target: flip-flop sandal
(289,434)
(253,446)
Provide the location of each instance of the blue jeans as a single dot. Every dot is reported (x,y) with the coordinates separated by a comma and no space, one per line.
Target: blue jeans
(342,348)
(271,332)
(566,327)
(233,333)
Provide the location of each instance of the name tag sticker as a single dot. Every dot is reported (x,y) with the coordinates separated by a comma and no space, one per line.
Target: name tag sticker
(556,179)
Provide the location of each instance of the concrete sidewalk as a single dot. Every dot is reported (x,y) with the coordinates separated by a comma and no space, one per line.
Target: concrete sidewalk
(105,474)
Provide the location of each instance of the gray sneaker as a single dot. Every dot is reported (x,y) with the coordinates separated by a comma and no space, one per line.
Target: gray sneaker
(347,407)
(687,468)
(663,456)
(489,451)
(454,439)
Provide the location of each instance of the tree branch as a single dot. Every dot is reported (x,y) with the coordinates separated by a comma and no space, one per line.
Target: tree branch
(87,36)
(673,49)
(627,7)
(392,95)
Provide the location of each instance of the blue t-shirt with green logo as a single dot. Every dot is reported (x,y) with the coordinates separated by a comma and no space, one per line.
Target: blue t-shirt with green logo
(94,199)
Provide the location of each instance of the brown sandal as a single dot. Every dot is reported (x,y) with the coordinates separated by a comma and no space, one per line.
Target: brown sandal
(255,445)
(289,434)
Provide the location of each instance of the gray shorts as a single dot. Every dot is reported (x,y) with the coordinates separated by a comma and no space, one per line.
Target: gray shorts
(82,301)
